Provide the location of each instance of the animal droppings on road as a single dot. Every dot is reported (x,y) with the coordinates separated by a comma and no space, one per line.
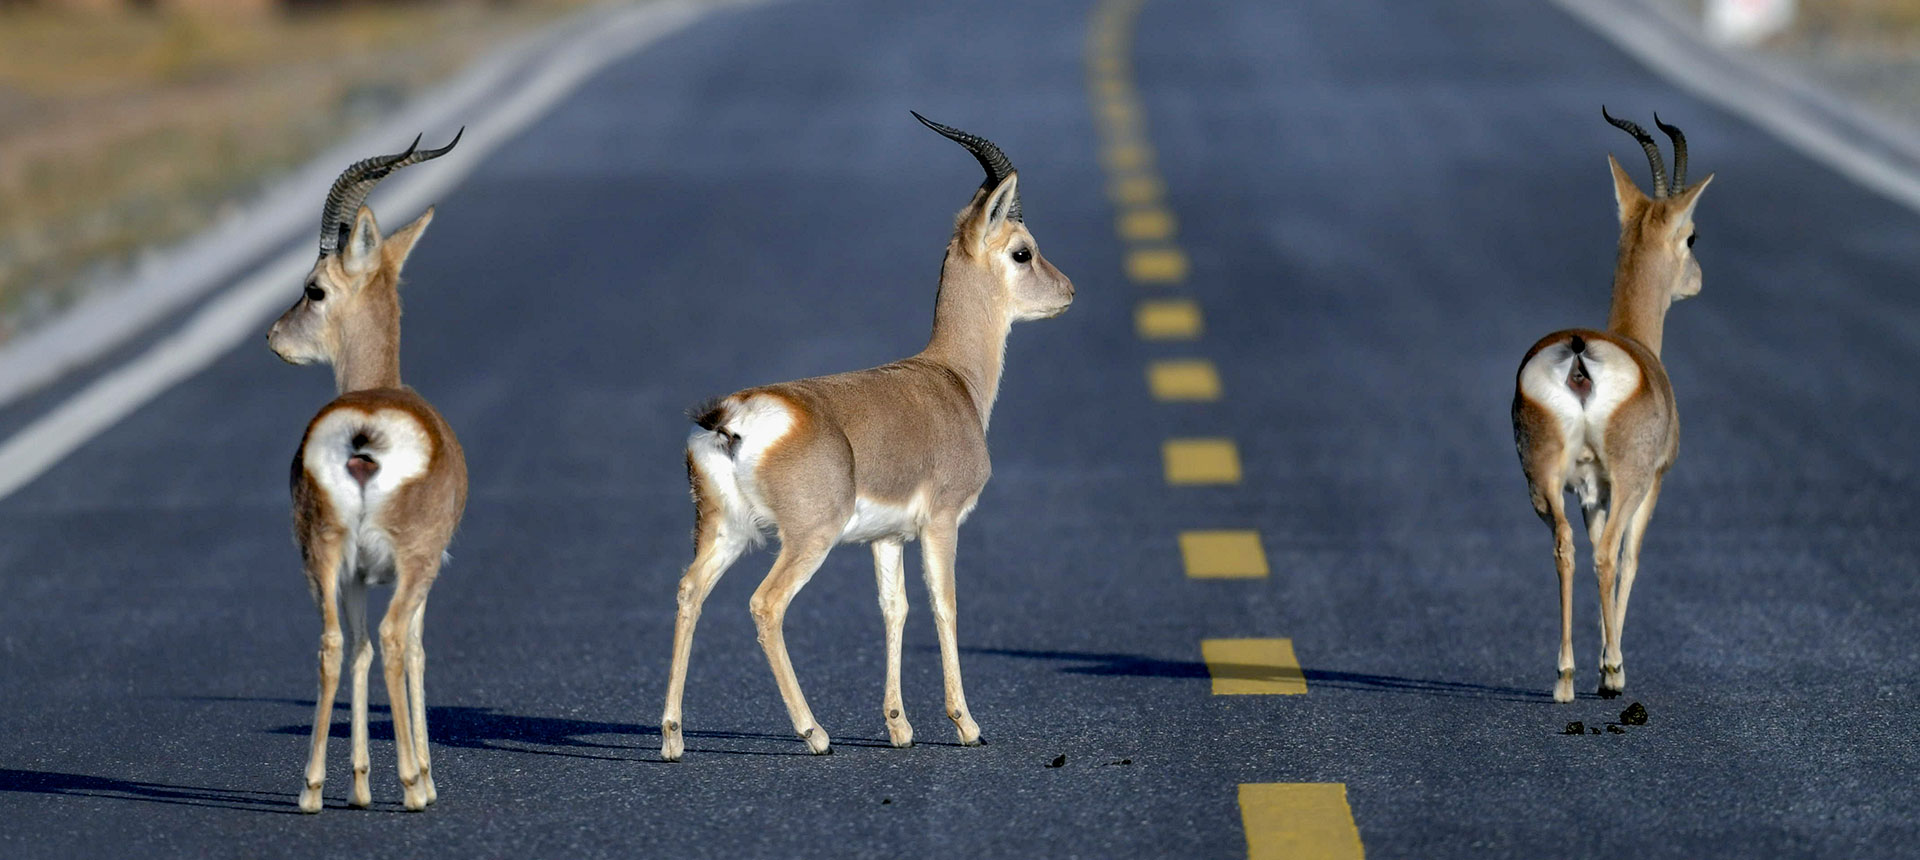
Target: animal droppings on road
(1634,715)
(1058,761)
(1614,729)
(1575,728)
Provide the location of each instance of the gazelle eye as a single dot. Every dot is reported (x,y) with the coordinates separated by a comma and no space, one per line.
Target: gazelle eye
(1691,237)
(315,294)
(1023,255)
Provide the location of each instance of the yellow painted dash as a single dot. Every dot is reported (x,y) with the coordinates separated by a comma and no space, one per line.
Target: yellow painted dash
(1167,319)
(1299,821)
(1145,224)
(1157,265)
(1253,667)
(1201,461)
(1183,379)
(1136,190)
(1223,554)
(1127,156)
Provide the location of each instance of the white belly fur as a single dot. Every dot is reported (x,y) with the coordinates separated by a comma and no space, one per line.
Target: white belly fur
(401,447)
(1583,428)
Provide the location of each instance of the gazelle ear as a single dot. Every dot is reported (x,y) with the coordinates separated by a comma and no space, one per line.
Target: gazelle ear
(361,254)
(1684,202)
(1627,197)
(994,209)
(400,244)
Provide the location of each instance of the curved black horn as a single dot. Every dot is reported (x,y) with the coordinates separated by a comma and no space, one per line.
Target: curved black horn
(1646,143)
(990,157)
(358,180)
(1679,155)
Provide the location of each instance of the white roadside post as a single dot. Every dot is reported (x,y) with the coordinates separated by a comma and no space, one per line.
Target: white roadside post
(1744,23)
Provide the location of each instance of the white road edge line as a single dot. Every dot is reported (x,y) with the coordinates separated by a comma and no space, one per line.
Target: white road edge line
(242,310)
(1821,125)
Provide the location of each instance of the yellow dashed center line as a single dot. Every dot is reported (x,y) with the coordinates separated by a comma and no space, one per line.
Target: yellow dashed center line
(1253,667)
(1308,821)
(1167,319)
(1223,554)
(1201,461)
(1135,190)
(1299,821)
(1145,224)
(1183,379)
(1157,265)
(1128,156)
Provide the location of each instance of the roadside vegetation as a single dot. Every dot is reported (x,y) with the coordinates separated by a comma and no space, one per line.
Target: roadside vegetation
(127,130)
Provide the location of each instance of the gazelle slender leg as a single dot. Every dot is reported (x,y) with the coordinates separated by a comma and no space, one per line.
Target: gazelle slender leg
(937,545)
(1629,568)
(1606,560)
(1552,507)
(800,556)
(892,581)
(353,598)
(323,571)
(717,551)
(417,696)
(415,574)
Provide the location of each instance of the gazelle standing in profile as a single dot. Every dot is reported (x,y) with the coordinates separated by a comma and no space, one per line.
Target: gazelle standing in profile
(883,456)
(379,481)
(1593,411)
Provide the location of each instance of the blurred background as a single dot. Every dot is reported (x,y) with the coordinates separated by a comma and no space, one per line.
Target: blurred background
(130,124)
(126,125)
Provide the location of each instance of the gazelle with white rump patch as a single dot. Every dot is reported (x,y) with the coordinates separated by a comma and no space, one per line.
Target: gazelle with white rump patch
(881,456)
(1593,411)
(379,481)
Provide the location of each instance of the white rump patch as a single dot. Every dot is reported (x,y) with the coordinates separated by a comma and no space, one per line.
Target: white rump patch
(401,447)
(758,422)
(1583,427)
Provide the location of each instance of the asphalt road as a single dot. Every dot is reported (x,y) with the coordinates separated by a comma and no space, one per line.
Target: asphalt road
(1384,205)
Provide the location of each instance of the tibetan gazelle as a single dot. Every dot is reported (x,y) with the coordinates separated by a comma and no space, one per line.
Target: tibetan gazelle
(379,481)
(881,456)
(1593,412)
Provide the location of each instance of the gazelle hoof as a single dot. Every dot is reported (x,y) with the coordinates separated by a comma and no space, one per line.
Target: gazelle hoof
(671,744)
(1563,688)
(900,735)
(310,799)
(817,741)
(1613,680)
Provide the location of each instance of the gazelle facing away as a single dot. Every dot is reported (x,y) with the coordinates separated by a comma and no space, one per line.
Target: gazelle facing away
(883,456)
(1593,411)
(379,481)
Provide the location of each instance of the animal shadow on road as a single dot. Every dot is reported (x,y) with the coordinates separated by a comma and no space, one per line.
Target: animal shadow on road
(81,785)
(487,729)
(1091,663)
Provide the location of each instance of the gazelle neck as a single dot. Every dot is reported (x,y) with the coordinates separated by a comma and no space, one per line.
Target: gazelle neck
(1641,296)
(369,350)
(970,327)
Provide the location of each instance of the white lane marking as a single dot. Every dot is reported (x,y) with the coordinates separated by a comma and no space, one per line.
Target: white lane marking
(1821,125)
(243,309)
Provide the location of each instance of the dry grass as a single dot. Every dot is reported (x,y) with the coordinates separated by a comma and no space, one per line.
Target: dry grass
(120,133)
(1889,23)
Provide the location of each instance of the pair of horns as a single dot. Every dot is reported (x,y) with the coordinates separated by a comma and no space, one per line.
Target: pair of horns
(358,180)
(990,157)
(1661,188)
